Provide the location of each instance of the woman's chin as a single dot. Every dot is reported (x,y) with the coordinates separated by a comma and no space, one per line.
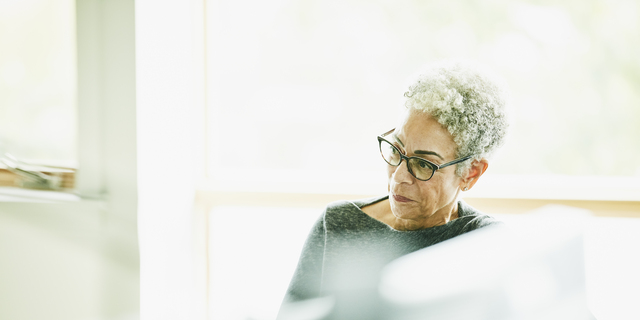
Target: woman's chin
(403,212)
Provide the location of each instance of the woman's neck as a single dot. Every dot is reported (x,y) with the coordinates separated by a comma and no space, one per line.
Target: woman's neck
(381,211)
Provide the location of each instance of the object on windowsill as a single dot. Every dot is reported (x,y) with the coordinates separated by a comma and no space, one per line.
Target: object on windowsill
(17,173)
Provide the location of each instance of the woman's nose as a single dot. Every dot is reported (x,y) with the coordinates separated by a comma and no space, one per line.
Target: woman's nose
(402,174)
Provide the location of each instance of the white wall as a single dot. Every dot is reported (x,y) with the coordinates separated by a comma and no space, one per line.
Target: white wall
(170,119)
(59,263)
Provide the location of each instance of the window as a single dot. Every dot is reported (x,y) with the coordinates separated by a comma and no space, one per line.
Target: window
(37,93)
(299,90)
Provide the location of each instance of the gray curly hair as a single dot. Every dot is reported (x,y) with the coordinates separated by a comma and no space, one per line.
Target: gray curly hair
(468,102)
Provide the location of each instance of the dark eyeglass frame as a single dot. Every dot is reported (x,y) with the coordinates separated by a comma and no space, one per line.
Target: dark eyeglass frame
(434,167)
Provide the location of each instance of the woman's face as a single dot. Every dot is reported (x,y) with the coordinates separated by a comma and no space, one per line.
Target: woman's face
(423,202)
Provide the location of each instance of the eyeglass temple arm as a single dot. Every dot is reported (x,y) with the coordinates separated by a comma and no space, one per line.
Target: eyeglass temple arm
(454,162)
(386,133)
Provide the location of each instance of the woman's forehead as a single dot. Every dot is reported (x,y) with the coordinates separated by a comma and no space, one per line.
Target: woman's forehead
(420,131)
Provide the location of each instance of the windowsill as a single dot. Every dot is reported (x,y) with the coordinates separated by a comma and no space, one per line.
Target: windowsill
(297,181)
(492,186)
(12,194)
(557,187)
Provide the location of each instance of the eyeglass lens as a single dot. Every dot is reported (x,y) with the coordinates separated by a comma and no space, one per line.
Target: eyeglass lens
(421,169)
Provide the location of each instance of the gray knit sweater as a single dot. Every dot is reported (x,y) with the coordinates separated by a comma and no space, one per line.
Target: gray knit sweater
(347,248)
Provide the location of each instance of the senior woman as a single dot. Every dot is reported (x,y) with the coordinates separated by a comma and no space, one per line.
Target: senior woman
(454,119)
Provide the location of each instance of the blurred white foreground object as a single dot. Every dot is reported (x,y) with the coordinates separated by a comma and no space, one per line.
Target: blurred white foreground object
(531,269)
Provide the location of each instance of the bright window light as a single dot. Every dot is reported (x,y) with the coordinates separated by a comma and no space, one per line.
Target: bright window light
(253,253)
(38,80)
(304,86)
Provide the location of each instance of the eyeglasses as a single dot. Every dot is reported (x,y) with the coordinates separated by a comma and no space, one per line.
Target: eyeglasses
(421,169)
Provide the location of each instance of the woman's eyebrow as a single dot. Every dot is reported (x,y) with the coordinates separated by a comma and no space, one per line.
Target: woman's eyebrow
(432,153)
(429,153)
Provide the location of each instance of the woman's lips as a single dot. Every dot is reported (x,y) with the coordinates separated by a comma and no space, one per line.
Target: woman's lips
(398,198)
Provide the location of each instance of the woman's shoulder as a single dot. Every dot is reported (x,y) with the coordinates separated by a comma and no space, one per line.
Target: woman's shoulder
(349,212)
(353,205)
(473,218)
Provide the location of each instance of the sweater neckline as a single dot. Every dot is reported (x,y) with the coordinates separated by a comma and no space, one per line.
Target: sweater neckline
(359,204)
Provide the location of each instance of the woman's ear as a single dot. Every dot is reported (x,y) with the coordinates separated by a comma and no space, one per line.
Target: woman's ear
(478,167)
